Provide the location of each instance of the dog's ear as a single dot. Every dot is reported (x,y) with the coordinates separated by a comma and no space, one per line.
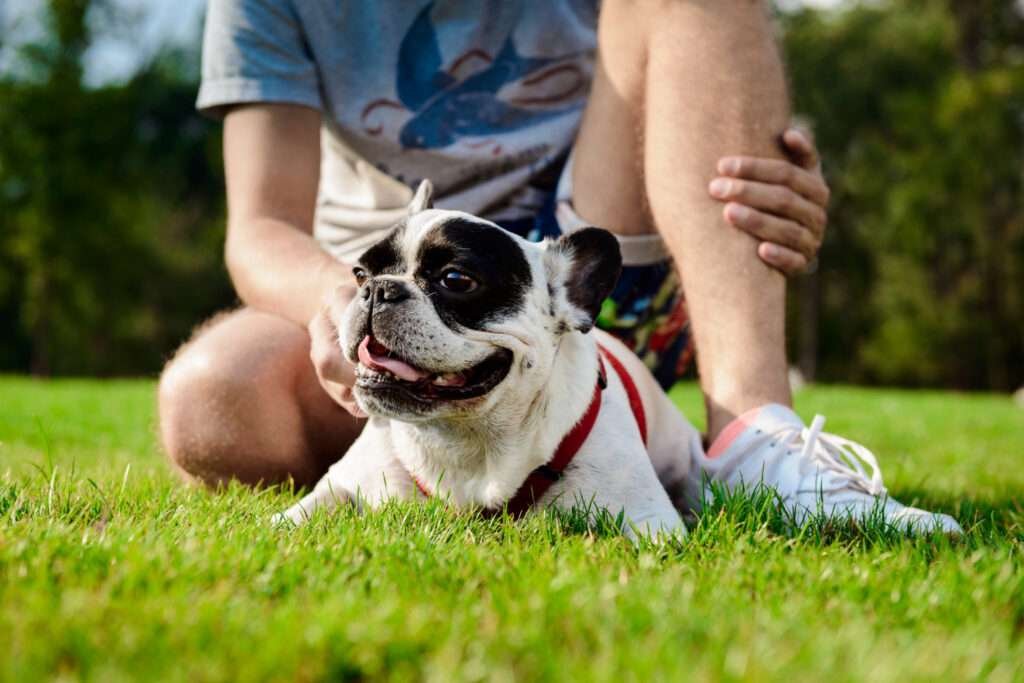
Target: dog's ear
(423,199)
(582,269)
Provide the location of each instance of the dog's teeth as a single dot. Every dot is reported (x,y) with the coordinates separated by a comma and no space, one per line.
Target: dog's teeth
(450,379)
(374,373)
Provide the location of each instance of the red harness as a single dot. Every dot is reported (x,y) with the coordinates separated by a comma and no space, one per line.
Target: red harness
(541,479)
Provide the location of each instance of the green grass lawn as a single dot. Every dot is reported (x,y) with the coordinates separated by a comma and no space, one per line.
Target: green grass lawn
(110,570)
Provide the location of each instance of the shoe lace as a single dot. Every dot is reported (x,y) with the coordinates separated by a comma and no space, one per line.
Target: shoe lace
(842,457)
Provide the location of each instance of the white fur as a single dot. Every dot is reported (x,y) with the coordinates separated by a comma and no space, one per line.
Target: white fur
(481,453)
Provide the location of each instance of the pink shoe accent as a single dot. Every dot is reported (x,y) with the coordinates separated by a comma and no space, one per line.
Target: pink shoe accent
(732,432)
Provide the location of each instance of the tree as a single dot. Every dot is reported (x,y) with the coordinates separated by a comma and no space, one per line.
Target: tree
(919,110)
(111,210)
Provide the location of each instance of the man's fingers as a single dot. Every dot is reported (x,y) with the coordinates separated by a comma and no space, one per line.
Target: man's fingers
(775,199)
(326,354)
(335,373)
(800,147)
(323,345)
(777,172)
(338,302)
(788,261)
(342,395)
(773,229)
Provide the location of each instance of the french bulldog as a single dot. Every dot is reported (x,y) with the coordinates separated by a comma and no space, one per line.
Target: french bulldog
(487,384)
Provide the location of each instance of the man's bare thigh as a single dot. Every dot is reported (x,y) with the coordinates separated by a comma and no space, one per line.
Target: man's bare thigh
(241,400)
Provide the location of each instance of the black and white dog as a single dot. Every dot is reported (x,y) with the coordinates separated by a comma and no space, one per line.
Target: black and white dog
(486,383)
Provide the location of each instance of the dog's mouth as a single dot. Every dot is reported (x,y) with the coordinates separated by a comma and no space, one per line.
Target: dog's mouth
(381,369)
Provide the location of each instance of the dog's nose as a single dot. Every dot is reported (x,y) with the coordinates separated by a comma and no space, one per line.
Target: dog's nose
(390,291)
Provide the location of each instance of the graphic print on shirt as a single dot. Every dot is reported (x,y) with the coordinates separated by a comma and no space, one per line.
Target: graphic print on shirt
(445,108)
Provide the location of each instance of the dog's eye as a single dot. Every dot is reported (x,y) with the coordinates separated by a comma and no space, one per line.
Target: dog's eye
(360,276)
(457,281)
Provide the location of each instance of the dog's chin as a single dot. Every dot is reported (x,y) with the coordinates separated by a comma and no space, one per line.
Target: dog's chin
(382,393)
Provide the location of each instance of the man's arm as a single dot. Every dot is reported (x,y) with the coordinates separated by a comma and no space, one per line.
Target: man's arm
(272,165)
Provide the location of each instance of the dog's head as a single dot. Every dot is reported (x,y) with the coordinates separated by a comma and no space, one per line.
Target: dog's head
(455,316)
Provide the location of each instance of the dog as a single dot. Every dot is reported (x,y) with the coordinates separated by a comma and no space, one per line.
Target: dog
(487,384)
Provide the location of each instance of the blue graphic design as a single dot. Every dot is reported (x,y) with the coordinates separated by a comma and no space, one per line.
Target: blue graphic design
(445,110)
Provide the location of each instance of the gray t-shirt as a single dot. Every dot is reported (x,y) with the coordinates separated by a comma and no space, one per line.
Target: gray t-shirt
(480,97)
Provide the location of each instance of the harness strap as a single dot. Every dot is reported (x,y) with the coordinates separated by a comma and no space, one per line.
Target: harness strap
(635,404)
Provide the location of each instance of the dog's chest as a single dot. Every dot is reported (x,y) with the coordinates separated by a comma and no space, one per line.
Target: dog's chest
(471,467)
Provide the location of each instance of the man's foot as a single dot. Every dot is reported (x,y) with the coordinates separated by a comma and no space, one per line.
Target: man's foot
(812,471)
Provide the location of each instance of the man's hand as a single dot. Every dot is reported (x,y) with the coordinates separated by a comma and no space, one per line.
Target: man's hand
(336,374)
(782,203)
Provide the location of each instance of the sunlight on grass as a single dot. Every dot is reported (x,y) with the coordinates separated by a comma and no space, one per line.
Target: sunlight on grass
(110,572)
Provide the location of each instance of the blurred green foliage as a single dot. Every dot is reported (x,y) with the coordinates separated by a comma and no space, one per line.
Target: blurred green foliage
(112,211)
(918,107)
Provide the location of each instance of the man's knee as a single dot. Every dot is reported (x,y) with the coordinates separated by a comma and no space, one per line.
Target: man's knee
(195,391)
(223,401)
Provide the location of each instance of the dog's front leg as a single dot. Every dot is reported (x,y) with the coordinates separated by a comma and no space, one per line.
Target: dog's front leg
(658,523)
(368,474)
(623,480)
(642,517)
(647,510)
(326,495)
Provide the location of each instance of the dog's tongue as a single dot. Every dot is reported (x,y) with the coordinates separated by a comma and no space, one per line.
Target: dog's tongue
(396,367)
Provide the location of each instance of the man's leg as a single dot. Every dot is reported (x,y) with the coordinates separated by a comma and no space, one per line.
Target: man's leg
(241,401)
(680,85)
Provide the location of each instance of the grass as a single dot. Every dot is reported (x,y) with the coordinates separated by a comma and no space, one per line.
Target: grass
(110,570)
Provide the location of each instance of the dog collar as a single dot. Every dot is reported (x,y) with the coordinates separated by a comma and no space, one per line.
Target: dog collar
(541,479)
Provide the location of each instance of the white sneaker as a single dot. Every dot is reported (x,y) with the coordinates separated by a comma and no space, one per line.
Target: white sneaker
(812,471)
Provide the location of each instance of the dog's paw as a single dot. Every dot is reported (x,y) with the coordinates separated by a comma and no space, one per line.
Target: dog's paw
(292,517)
(654,530)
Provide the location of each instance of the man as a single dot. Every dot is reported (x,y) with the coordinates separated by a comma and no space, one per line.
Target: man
(332,110)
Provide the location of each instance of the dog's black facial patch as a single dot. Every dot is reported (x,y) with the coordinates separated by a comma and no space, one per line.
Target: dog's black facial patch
(488,255)
(385,257)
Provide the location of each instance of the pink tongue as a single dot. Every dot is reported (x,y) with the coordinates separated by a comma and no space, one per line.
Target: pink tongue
(396,367)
